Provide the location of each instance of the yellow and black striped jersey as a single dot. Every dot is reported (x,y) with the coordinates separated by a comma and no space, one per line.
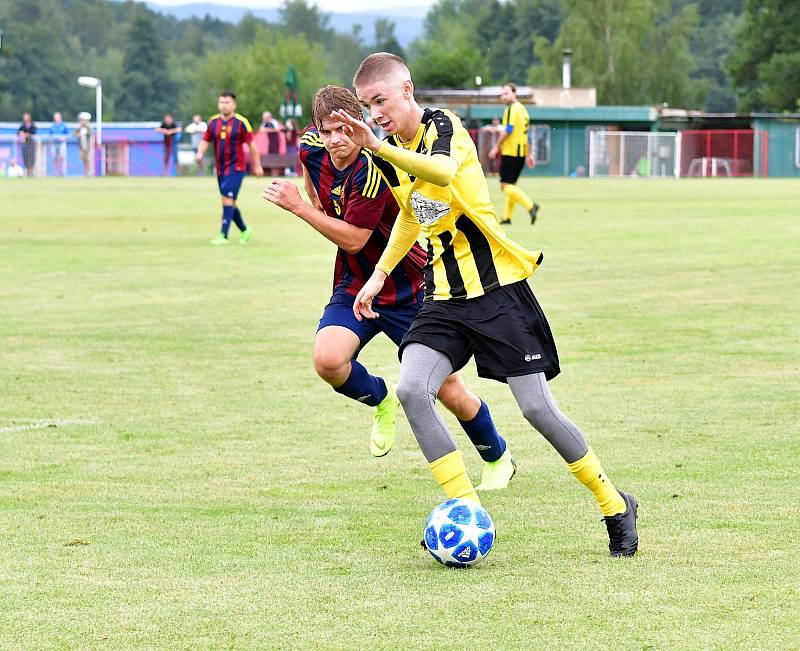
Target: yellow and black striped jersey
(516,143)
(468,252)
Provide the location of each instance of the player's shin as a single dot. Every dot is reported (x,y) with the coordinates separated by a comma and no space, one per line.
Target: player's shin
(509,207)
(227,217)
(451,473)
(363,387)
(238,220)
(482,432)
(588,471)
(518,196)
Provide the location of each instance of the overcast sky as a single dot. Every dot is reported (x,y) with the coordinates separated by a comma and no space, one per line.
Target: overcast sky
(325,5)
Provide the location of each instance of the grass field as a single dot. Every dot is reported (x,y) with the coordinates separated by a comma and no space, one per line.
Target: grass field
(173,475)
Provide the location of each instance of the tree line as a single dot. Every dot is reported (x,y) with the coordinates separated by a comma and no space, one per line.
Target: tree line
(721,55)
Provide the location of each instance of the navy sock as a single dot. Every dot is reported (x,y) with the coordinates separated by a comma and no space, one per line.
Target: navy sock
(363,387)
(237,219)
(484,434)
(227,215)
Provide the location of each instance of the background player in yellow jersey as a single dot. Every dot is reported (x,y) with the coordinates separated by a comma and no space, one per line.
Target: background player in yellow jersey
(512,146)
(478,302)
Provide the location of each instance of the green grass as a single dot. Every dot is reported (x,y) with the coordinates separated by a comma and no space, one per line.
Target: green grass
(202,488)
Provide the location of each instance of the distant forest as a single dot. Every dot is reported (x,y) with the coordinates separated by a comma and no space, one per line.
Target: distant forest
(721,55)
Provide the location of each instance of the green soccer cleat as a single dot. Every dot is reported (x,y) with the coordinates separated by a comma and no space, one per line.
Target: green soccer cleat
(219,240)
(245,235)
(497,474)
(384,428)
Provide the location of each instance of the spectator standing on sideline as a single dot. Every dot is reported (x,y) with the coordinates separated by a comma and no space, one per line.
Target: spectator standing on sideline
(58,145)
(292,136)
(169,129)
(85,142)
(196,129)
(26,132)
(273,129)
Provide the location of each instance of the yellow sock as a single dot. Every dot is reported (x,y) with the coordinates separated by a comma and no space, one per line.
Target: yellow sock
(588,471)
(451,473)
(509,206)
(519,196)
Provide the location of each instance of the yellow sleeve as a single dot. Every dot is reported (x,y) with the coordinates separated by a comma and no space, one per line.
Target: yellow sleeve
(437,169)
(404,234)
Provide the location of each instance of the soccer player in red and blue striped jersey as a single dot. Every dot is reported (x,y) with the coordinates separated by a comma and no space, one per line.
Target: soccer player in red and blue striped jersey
(354,209)
(230,133)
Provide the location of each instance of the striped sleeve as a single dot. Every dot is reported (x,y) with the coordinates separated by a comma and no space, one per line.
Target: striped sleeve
(367,195)
(367,180)
(444,133)
(311,146)
(246,122)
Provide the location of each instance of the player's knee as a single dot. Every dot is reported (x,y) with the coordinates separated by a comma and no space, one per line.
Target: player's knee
(330,364)
(454,396)
(536,413)
(411,392)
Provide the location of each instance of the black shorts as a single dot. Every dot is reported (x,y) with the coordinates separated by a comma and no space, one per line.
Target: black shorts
(504,329)
(511,168)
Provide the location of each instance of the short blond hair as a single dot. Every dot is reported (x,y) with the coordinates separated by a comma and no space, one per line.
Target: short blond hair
(334,98)
(379,66)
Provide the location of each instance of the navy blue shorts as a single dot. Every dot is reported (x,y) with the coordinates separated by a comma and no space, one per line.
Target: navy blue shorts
(394,322)
(230,183)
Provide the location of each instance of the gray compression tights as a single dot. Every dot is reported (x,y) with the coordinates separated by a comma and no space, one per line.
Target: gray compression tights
(422,372)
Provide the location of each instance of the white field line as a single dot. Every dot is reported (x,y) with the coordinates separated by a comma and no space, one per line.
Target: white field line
(44,424)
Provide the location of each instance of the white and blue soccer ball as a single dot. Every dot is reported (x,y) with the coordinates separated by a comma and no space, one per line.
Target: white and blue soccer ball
(459,533)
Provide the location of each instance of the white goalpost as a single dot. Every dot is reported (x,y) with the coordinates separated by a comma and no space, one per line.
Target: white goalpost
(649,154)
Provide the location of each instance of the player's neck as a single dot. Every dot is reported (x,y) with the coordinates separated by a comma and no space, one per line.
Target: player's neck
(340,164)
(409,132)
(226,117)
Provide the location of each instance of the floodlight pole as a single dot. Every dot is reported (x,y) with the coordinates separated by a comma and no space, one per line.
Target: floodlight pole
(94,82)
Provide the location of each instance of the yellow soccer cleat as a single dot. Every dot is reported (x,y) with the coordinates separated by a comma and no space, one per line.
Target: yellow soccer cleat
(384,428)
(497,474)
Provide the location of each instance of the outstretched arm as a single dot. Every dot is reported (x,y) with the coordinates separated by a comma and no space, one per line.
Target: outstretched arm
(437,169)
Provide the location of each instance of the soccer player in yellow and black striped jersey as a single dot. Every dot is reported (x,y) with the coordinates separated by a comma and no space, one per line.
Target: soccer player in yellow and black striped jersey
(512,146)
(478,302)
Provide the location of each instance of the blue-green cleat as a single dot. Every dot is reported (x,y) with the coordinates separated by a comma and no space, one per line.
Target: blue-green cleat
(497,474)
(219,240)
(384,424)
(245,235)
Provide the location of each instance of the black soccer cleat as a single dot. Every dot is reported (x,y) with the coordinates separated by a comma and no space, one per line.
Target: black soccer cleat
(623,539)
(534,212)
(505,221)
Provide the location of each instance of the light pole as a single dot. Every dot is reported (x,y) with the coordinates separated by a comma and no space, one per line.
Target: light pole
(94,82)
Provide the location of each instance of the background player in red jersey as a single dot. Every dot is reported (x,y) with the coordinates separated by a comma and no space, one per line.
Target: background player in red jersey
(230,132)
(355,210)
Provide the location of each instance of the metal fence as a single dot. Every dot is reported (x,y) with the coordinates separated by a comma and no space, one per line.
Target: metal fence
(44,155)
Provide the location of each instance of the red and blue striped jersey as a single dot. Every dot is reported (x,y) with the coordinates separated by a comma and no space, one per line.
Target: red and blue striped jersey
(230,138)
(359,196)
